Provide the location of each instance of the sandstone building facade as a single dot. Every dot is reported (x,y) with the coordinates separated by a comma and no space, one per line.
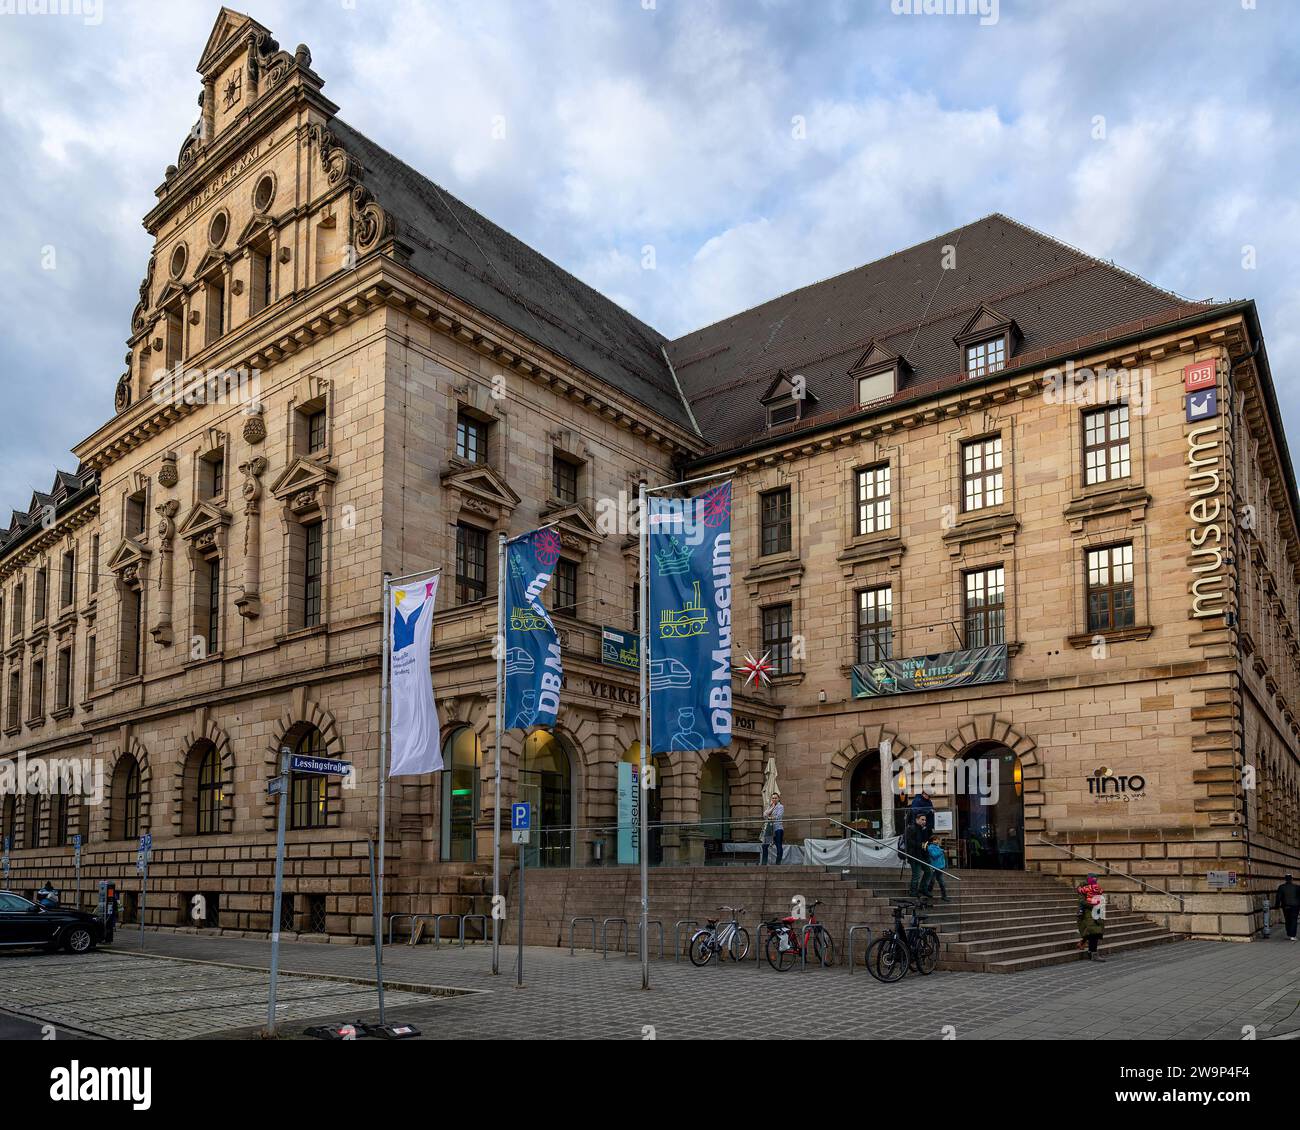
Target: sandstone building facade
(337,369)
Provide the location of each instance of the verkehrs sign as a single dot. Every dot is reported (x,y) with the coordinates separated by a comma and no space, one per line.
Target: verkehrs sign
(1200,374)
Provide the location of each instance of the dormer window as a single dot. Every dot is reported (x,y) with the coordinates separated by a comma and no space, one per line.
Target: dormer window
(986,357)
(787,399)
(877,374)
(987,343)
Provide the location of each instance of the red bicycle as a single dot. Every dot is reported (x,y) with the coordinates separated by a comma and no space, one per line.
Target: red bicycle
(787,941)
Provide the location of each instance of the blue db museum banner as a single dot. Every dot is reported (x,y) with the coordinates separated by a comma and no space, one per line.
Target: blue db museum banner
(533,668)
(689,621)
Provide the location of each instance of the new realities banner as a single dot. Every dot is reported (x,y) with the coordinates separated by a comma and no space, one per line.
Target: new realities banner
(533,668)
(689,621)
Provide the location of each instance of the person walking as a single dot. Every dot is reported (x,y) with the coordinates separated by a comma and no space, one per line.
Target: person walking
(1092,917)
(938,861)
(1287,900)
(925,806)
(776,814)
(914,841)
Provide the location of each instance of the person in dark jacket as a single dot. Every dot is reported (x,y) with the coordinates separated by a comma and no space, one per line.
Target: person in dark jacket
(915,838)
(921,803)
(1287,900)
(48,896)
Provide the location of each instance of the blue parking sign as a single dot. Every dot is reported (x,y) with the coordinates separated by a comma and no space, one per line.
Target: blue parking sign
(521,816)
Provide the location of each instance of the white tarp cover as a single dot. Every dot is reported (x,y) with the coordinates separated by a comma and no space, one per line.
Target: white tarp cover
(852,852)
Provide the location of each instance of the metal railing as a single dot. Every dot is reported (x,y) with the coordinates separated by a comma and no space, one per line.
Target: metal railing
(1182,902)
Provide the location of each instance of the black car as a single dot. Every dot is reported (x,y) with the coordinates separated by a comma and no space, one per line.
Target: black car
(23,923)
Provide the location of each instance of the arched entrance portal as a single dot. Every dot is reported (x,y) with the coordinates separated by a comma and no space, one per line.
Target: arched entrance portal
(990,809)
(864,794)
(546,782)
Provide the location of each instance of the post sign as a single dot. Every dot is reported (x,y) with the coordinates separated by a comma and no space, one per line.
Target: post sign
(1200,374)
(300,763)
(1202,405)
(619,649)
(521,819)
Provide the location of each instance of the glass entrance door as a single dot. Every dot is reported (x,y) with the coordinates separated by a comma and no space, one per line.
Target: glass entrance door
(991,831)
(545,783)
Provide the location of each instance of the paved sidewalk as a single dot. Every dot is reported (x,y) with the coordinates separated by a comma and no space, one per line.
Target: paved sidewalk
(1187,990)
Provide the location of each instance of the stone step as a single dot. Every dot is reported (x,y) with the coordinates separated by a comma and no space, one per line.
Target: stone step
(1047,937)
(997,964)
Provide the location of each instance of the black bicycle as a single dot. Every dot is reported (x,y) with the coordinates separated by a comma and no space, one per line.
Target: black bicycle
(915,947)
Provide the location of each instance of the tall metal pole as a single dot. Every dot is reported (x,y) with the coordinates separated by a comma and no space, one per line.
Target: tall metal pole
(279,887)
(378,894)
(500,644)
(645,732)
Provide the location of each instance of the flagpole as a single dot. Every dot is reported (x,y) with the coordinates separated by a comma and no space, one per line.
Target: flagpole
(378,894)
(500,643)
(644,845)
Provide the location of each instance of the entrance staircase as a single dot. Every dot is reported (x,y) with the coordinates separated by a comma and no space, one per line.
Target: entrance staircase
(1002,922)
(1008,921)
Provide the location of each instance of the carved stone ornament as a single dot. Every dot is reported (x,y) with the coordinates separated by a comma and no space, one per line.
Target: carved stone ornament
(122,398)
(303,501)
(167,518)
(255,426)
(168,475)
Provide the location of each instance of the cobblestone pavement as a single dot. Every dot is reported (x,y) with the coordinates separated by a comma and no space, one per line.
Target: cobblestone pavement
(191,985)
(132,998)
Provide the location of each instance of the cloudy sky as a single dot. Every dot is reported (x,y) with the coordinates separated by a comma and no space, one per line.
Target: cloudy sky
(755,145)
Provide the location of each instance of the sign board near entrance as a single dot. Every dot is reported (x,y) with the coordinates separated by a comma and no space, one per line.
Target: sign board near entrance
(619,649)
(629,812)
(1220,880)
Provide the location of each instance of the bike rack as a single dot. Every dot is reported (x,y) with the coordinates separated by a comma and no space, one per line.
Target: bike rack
(677,935)
(467,918)
(573,922)
(649,922)
(854,930)
(604,937)
(437,926)
(394,919)
(758,943)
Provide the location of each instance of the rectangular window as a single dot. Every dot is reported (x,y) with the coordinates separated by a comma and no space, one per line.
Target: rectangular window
(1110,588)
(308,795)
(776,521)
(876,624)
(68,585)
(1106,453)
(471,564)
(313,560)
(564,479)
(37,706)
(986,357)
(471,439)
(175,331)
(985,607)
(2,617)
(94,564)
(20,606)
(215,470)
(91,658)
(636,607)
(778,633)
(42,596)
(14,715)
(216,316)
(874,505)
(259,297)
(981,473)
(131,633)
(63,680)
(135,516)
(566,587)
(214,604)
(785,413)
(315,432)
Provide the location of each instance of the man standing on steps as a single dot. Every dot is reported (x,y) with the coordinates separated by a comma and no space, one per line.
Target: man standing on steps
(1287,900)
(914,841)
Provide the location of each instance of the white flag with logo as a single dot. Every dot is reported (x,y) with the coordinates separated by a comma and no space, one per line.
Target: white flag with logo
(413,732)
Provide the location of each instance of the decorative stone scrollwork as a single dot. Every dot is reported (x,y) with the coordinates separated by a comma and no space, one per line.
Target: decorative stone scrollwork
(122,398)
(137,318)
(303,501)
(373,223)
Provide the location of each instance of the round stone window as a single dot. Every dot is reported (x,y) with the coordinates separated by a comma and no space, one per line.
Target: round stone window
(178,260)
(264,193)
(219,228)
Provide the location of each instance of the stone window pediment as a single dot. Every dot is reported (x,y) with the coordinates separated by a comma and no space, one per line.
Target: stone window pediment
(204,527)
(480,490)
(304,486)
(128,560)
(213,260)
(255,230)
(578,531)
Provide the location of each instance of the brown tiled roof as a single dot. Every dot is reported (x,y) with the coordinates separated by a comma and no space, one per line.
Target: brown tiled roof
(1060,298)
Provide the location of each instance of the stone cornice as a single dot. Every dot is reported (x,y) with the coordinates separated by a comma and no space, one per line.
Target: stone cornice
(87,512)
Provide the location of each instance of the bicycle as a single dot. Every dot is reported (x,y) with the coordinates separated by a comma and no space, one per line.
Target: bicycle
(786,945)
(732,938)
(890,956)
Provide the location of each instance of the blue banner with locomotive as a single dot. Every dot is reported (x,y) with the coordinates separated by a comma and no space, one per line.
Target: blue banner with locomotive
(945,669)
(689,621)
(534,671)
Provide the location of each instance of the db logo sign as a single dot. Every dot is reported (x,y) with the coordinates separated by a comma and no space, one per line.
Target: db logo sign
(1199,375)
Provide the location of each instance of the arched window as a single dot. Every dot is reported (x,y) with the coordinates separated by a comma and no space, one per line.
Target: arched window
(32,822)
(210,795)
(463,757)
(307,790)
(59,820)
(124,813)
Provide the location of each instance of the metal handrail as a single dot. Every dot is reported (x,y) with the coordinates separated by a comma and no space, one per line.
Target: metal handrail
(1182,902)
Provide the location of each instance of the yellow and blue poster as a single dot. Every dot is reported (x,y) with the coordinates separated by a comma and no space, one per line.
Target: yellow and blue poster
(533,668)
